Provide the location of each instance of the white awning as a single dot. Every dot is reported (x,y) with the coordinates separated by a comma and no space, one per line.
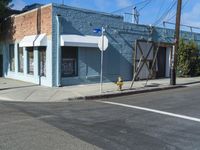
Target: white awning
(41,40)
(79,40)
(34,40)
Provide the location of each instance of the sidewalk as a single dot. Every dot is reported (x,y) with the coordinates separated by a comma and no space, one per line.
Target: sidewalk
(13,90)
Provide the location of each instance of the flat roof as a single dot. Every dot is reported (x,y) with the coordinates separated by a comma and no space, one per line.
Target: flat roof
(29,11)
(86,10)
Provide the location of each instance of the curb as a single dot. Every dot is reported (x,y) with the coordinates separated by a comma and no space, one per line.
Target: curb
(190,83)
(124,93)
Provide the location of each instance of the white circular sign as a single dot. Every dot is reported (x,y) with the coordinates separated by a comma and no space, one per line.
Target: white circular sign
(103,43)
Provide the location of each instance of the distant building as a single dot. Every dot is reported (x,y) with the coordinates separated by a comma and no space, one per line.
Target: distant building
(9,12)
(54,45)
(33,6)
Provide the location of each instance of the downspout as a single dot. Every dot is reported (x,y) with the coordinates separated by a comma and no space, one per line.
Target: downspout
(38,32)
(58,54)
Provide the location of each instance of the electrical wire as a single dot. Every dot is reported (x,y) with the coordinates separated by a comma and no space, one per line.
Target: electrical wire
(158,13)
(148,2)
(165,13)
(186,2)
(130,6)
(171,6)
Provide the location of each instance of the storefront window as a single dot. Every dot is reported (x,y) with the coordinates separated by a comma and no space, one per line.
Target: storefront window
(12,57)
(42,61)
(69,61)
(20,59)
(30,60)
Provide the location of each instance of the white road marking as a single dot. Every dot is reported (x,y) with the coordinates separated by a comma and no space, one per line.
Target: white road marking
(154,111)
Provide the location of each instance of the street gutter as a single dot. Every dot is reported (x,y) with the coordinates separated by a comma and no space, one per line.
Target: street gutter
(126,92)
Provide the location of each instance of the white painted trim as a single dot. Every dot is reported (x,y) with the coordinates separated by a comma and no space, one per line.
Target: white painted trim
(79,40)
(41,40)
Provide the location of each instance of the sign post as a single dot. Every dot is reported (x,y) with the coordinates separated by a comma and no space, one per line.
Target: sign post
(101,77)
(102,49)
(103,45)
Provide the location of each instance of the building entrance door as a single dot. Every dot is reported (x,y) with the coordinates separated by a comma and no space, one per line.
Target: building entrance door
(69,61)
(161,62)
(1,65)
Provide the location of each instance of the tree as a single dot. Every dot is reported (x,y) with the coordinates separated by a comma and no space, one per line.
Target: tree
(4,5)
(188,59)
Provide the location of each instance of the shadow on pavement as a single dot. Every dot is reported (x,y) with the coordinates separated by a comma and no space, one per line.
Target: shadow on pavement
(18,87)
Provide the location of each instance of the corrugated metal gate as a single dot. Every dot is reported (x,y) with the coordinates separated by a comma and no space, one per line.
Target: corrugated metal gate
(151,60)
(144,55)
(145,60)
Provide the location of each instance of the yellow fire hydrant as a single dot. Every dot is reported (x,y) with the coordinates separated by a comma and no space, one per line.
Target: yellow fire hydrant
(120,83)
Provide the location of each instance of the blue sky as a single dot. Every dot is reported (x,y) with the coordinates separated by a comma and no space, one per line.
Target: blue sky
(148,15)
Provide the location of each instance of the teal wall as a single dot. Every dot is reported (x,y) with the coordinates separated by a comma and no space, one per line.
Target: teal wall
(118,58)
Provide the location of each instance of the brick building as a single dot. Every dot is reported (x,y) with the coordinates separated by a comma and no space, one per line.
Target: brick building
(55,45)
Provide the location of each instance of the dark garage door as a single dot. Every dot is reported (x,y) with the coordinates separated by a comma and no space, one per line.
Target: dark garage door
(1,65)
(161,58)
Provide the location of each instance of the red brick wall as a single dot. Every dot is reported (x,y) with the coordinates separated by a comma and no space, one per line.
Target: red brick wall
(29,23)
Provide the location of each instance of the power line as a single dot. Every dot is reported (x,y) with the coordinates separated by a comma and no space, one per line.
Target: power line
(171,6)
(186,2)
(134,14)
(148,2)
(130,6)
(165,13)
(184,25)
(158,13)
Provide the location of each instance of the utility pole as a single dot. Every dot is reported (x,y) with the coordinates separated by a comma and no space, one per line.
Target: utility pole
(176,44)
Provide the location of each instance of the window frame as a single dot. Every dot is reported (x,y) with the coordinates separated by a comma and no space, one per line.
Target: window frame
(12,62)
(20,61)
(42,51)
(28,49)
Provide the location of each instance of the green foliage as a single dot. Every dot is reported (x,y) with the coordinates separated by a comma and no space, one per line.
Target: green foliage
(3,6)
(188,60)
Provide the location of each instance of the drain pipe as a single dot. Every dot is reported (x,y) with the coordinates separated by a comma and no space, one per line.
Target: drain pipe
(38,33)
(58,54)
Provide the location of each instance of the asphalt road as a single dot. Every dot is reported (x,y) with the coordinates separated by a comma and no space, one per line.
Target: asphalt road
(166,120)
